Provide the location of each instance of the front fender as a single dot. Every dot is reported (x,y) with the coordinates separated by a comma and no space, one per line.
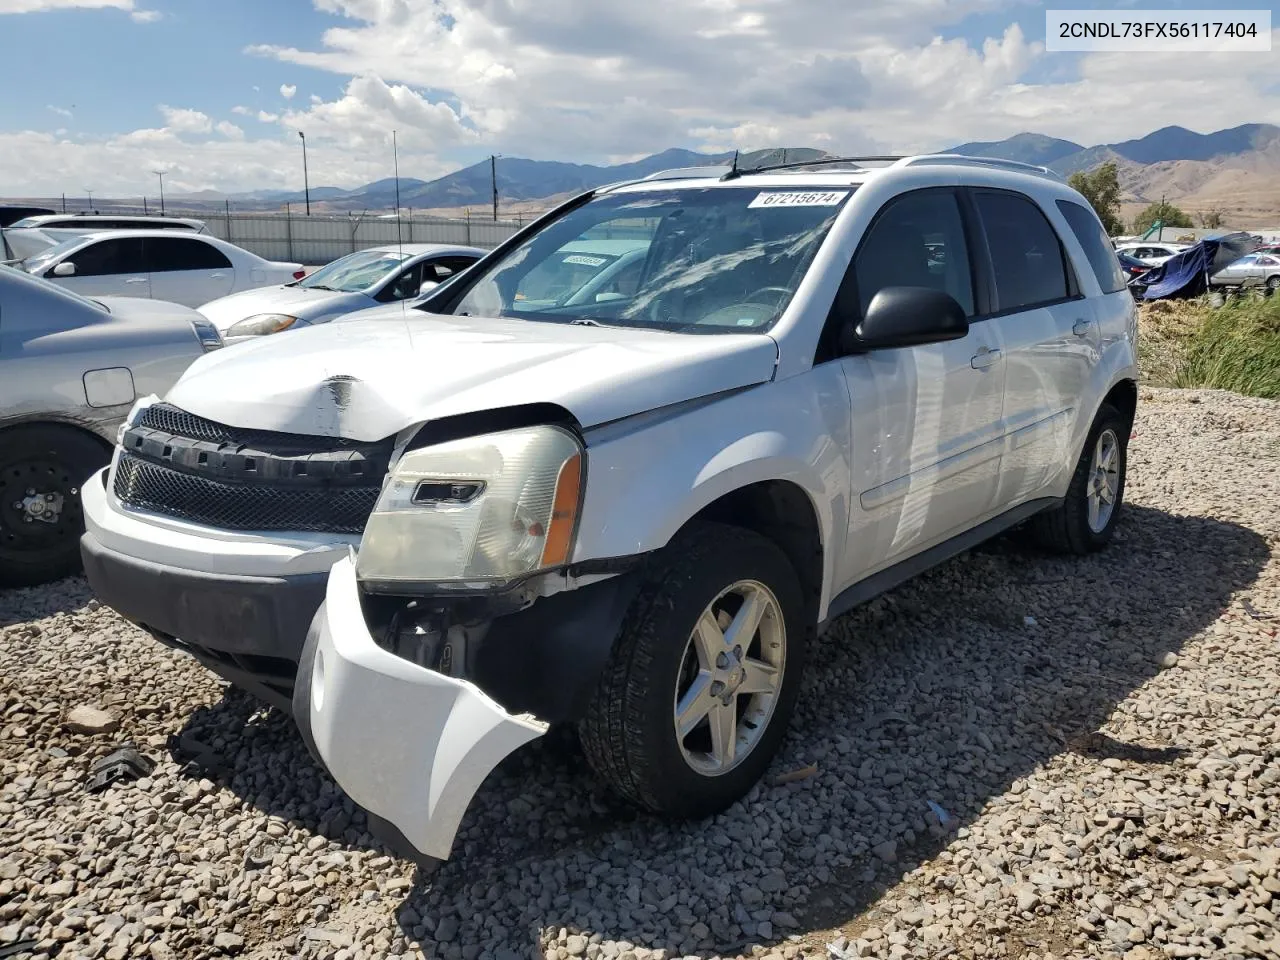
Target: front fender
(643,485)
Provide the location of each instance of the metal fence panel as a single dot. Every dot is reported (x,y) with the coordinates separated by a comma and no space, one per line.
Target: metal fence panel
(318,240)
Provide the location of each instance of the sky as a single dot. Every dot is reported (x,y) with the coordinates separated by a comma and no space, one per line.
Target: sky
(101,94)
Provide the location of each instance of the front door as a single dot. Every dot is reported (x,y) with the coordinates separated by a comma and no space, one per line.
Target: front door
(111,267)
(927,427)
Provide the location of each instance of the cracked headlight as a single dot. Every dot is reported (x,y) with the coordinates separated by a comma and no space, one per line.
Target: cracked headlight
(261,325)
(478,512)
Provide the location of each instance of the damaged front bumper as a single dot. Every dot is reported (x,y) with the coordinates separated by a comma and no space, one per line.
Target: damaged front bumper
(408,744)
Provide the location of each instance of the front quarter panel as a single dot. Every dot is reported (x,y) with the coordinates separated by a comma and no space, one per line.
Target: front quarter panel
(647,477)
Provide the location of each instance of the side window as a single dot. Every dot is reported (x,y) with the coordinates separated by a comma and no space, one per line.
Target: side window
(173,253)
(1026,256)
(405,286)
(452,265)
(917,240)
(109,257)
(1097,247)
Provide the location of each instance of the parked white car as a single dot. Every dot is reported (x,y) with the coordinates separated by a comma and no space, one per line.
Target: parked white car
(95,223)
(358,281)
(177,266)
(70,370)
(433,538)
(1153,254)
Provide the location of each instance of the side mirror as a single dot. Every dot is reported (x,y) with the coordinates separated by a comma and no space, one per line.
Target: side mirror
(427,287)
(906,317)
(65,269)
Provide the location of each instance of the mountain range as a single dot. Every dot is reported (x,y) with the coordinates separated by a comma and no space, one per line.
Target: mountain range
(1235,170)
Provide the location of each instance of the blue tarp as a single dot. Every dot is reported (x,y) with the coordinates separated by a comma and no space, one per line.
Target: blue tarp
(1186,275)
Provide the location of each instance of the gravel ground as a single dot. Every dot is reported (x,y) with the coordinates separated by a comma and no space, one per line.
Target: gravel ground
(1013,756)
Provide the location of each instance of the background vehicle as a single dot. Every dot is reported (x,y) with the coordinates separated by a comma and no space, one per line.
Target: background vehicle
(355,282)
(1152,254)
(172,265)
(1254,269)
(82,223)
(70,369)
(12,213)
(631,513)
(1132,266)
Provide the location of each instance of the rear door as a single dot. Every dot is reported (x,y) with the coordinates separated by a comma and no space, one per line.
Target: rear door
(188,270)
(1050,337)
(110,267)
(926,420)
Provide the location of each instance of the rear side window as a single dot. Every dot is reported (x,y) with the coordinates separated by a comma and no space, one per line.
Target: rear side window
(166,254)
(109,257)
(1026,256)
(1097,246)
(917,240)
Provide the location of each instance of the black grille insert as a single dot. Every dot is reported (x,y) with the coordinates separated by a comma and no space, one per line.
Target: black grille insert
(185,466)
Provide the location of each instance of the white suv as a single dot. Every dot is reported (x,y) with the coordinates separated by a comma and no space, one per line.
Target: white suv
(629,512)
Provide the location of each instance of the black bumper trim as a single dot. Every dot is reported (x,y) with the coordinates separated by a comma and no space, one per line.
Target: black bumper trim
(248,630)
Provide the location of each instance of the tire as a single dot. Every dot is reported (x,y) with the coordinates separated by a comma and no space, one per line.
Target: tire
(1069,527)
(52,461)
(1273,283)
(629,731)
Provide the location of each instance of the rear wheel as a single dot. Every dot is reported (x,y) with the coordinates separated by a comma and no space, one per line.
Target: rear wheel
(704,675)
(1273,283)
(42,469)
(1086,519)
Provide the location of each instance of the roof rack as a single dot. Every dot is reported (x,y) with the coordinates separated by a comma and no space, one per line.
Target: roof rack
(798,164)
(950,159)
(687,173)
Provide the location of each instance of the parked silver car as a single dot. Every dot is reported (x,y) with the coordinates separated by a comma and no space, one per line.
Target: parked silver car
(1254,269)
(358,281)
(70,370)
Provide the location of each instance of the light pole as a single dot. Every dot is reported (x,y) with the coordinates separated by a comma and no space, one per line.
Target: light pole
(493,180)
(90,193)
(395,156)
(160,174)
(306,183)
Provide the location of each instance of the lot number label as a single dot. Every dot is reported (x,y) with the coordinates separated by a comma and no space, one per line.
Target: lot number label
(794,198)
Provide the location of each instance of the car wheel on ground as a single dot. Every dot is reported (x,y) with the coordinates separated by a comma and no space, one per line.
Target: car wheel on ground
(41,471)
(704,675)
(1086,519)
(1273,283)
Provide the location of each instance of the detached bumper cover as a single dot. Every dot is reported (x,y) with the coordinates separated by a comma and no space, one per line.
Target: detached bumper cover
(410,745)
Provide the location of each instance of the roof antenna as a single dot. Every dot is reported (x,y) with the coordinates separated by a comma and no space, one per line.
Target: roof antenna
(734,173)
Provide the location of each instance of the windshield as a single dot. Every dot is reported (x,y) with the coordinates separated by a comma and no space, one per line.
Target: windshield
(703,260)
(355,272)
(38,261)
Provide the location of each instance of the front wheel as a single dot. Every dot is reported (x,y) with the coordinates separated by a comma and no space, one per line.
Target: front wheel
(1086,519)
(42,469)
(704,675)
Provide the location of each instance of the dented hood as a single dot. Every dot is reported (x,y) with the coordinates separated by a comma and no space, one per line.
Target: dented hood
(368,379)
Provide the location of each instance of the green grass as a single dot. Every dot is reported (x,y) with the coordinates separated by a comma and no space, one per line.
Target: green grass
(1235,347)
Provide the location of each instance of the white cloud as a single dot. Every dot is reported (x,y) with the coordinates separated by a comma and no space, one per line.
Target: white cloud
(287,90)
(145,16)
(229,130)
(60,111)
(40,6)
(584,79)
(370,109)
(265,117)
(242,111)
(183,120)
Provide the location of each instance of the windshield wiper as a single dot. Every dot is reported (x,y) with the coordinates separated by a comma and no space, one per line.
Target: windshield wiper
(586,322)
(320,286)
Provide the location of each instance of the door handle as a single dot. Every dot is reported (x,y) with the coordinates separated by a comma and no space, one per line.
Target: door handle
(985,358)
(136,280)
(1080,328)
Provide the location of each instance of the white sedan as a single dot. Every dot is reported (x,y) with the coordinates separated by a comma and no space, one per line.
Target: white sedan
(177,266)
(358,281)
(1153,254)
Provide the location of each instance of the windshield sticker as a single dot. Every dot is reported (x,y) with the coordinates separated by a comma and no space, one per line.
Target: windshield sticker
(794,198)
(585,260)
